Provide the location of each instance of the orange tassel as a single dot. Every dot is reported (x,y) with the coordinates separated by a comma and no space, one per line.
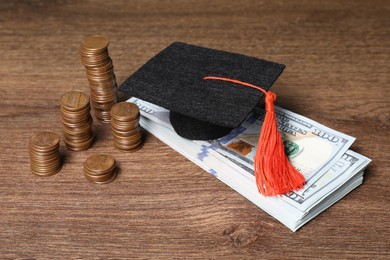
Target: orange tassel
(274,173)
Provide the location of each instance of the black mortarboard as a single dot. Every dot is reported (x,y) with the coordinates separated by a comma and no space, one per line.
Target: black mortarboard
(210,92)
(202,109)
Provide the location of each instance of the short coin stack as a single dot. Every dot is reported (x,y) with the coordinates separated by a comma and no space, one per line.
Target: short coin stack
(100,169)
(76,121)
(44,153)
(100,74)
(125,126)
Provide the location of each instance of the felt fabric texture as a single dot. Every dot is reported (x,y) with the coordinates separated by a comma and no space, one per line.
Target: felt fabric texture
(194,129)
(202,109)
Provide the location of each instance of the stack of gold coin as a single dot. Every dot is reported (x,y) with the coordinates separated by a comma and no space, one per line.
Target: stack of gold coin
(100,169)
(125,126)
(100,74)
(76,121)
(44,153)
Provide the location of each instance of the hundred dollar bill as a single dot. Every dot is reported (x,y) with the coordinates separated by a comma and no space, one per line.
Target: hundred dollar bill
(312,148)
(292,210)
(220,168)
(156,113)
(340,172)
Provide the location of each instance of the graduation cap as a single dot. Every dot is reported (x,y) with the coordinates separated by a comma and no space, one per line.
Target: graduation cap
(201,109)
(209,93)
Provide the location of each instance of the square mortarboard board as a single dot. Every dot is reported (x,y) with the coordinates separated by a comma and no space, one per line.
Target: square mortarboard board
(202,109)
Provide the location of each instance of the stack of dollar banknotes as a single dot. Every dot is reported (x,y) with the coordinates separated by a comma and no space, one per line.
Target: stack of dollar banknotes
(321,154)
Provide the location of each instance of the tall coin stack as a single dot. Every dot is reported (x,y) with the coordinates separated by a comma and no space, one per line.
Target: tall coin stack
(44,153)
(125,126)
(100,74)
(100,168)
(76,121)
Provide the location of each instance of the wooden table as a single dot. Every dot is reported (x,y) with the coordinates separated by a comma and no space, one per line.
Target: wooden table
(162,205)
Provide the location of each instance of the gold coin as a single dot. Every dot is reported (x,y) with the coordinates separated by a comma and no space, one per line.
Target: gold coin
(125,133)
(104,106)
(100,75)
(79,145)
(99,85)
(127,146)
(99,178)
(98,175)
(76,112)
(45,140)
(81,126)
(94,57)
(113,177)
(43,160)
(77,125)
(95,43)
(44,153)
(99,162)
(46,168)
(100,169)
(46,173)
(74,100)
(76,121)
(127,139)
(78,148)
(75,140)
(125,111)
(129,149)
(124,129)
(124,125)
(104,99)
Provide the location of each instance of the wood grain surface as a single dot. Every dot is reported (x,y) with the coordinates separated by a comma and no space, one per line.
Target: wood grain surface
(162,205)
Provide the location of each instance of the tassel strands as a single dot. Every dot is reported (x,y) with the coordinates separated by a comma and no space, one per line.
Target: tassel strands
(274,173)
